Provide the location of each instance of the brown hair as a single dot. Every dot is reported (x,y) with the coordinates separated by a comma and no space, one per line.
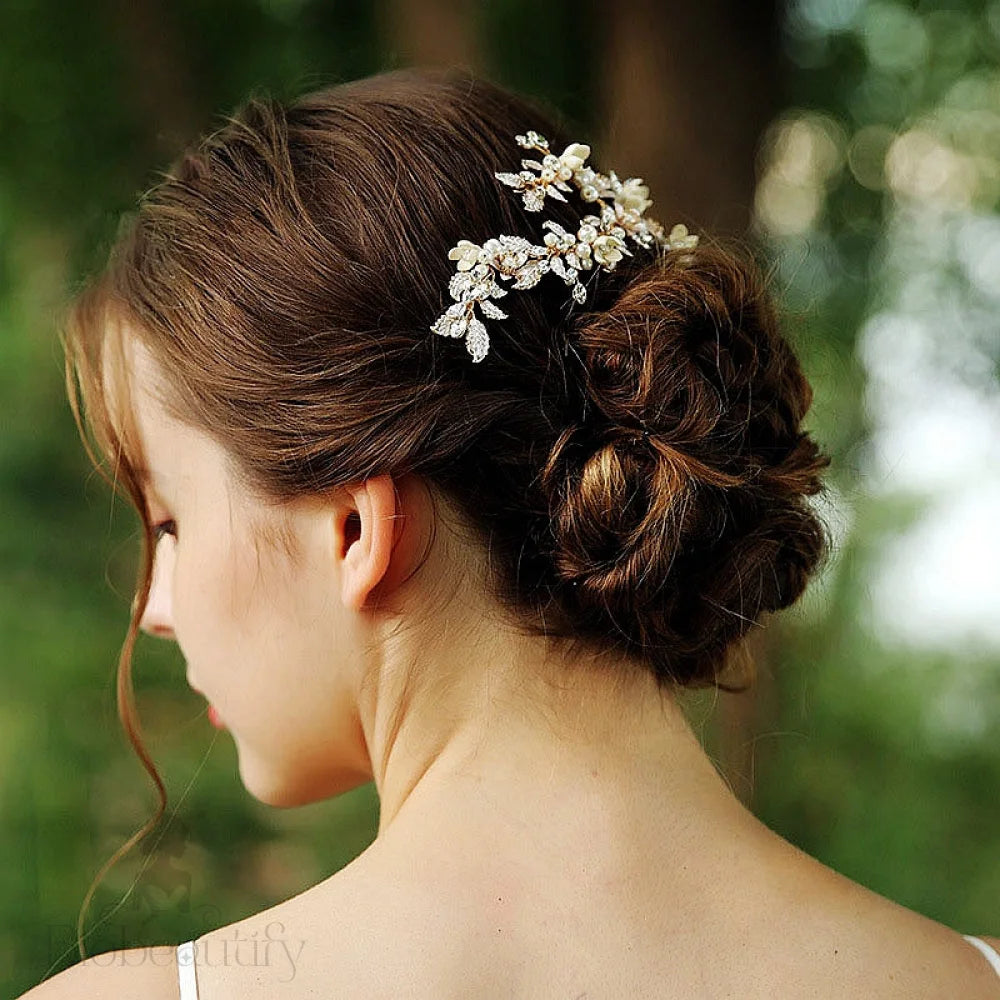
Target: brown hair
(635,468)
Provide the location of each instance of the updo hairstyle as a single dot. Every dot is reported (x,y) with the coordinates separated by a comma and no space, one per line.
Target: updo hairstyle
(634,467)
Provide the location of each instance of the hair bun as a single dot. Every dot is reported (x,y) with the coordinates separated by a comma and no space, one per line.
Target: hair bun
(682,537)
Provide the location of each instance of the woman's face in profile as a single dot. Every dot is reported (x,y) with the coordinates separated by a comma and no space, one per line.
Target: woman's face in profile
(264,633)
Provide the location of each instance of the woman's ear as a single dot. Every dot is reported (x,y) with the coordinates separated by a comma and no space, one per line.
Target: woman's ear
(368,548)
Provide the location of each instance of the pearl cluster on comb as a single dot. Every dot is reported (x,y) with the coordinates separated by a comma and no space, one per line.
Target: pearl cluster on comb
(598,242)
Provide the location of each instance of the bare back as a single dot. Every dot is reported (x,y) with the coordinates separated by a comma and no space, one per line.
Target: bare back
(381,931)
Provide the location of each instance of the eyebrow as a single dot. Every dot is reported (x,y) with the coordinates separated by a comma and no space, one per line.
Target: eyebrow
(146,477)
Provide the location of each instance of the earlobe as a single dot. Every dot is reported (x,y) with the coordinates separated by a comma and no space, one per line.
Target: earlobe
(367,558)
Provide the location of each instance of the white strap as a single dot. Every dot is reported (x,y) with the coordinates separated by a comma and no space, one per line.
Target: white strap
(991,953)
(186,971)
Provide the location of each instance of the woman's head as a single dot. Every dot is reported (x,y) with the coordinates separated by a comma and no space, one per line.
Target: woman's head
(266,313)
(264,610)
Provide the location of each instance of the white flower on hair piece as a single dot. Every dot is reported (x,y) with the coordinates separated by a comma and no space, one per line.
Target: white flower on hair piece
(574,156)
(599,241)
(680,239)
(466,253)
(608,250)
(634,195)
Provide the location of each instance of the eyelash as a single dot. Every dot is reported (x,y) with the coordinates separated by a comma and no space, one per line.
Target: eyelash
(168,527)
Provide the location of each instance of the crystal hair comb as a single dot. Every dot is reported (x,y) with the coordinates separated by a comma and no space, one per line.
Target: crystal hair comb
(599,241)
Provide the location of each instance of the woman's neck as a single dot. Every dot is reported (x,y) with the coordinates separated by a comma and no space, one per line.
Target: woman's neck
(517,745)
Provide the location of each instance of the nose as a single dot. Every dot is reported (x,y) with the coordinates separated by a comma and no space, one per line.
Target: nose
(158,619)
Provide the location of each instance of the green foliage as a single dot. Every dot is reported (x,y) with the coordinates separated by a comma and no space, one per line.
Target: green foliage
(880,762)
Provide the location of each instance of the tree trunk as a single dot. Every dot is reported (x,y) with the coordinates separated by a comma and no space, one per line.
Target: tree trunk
(431,32)
(690,87)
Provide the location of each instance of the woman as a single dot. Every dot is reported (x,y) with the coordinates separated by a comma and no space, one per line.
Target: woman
(480,581)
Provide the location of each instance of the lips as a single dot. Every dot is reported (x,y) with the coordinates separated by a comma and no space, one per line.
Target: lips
(213,713)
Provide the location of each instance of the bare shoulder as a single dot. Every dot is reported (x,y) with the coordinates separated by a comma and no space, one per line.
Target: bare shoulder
(258,956)
(130,974)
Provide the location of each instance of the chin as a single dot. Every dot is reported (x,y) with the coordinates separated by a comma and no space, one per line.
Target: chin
(282,790)
(279,797)
(268,786)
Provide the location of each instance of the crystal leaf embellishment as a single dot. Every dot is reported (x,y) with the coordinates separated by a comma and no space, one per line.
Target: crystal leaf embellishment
(600,241)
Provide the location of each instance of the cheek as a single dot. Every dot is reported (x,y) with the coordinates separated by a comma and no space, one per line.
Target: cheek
(261,641)
(211,587)
(240,622)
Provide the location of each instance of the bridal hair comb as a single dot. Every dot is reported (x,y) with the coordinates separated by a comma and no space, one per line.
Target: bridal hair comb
(599,241)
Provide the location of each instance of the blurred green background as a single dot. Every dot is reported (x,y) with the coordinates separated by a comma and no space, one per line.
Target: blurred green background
(856,142)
